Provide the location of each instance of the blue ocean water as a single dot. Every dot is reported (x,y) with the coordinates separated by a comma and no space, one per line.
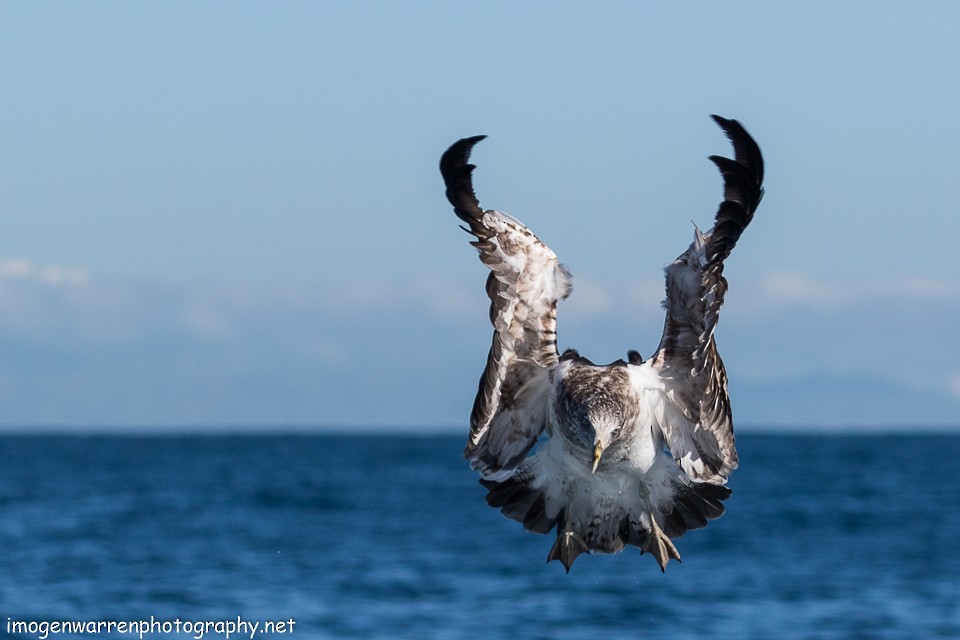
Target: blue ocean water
(389,537)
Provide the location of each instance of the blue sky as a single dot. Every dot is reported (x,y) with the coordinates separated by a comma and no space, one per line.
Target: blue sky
(230,213)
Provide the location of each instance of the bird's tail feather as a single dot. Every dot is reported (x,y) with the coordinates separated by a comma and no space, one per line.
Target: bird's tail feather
(520,498)
(694,503)
(524,497)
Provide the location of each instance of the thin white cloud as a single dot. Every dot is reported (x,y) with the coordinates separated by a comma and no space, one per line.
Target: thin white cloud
(954,384)
(128,351)
(444,297)
(590,299)
(207,322)
(55,275)
(788,289)
(51,274)
(15,269)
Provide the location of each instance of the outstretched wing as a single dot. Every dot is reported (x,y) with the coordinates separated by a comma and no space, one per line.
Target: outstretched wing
(524,285)
(694,409)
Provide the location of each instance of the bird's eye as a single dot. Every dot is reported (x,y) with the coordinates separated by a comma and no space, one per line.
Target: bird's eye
(616,432)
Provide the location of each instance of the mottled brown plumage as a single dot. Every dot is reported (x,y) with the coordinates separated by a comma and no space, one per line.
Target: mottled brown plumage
(600,474)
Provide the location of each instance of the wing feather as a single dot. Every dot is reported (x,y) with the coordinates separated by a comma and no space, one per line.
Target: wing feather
(524,285)
(697,420)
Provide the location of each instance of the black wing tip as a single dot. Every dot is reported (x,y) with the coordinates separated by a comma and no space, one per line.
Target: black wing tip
(720,120)
(743,187)
(746,148)
(731,127)
(457,176)
(466,144)
(457,155)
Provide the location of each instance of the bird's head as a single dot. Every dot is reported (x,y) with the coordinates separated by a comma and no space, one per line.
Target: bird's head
(606,433)
(605,417)
(591,413)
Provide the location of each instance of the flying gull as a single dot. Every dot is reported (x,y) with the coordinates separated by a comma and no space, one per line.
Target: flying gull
(634,452)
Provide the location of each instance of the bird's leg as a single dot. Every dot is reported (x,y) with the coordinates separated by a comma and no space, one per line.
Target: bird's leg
(659,545)
(568,545)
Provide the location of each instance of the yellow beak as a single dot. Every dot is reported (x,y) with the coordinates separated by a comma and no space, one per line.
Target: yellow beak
(597,452)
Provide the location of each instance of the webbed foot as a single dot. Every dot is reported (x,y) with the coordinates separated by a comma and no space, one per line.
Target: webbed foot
(660,546)
(567,547)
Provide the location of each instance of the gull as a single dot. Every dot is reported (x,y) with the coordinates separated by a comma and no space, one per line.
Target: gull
(635,452)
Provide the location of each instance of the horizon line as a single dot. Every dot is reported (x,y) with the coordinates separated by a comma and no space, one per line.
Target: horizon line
(368,429)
